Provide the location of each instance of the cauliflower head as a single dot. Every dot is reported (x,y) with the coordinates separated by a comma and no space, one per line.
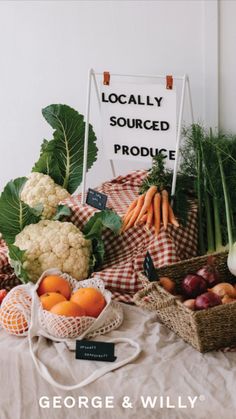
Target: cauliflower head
(54,244)
(41,189)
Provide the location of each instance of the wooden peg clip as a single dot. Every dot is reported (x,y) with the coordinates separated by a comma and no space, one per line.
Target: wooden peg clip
(106,78)
(169,82)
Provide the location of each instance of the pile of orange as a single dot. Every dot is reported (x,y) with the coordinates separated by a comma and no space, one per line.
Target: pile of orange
(56,296)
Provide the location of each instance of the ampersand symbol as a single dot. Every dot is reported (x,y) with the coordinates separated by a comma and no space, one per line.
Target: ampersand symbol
(126,403)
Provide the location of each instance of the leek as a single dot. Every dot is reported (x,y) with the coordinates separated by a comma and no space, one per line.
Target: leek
(226,199)
(231,260)
(199,201)
(218,235)
(210,235)
(213,228)
(201,160)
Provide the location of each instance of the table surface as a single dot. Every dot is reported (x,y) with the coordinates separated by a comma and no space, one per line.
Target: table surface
(168,370)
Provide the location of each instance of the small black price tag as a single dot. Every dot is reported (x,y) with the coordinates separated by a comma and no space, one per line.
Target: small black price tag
(95,351)
(149,268)
(96,199)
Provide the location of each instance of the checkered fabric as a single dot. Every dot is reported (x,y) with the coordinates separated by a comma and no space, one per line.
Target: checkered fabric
(125,253)
(3,256)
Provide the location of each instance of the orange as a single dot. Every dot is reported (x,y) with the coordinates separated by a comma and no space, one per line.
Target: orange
(68,308)
(15,309)
(19,295)
(91,299)
(50,299)
(54,283)
(13,320)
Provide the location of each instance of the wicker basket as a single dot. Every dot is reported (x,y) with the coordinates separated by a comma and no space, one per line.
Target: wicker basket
(205,330)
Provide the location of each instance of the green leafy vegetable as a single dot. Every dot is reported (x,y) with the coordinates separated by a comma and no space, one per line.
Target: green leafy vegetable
(158,175)
(14,213)
(47,163)
(62,211)
(211,160)
(93,230)
(16,257)
(101,220)
(37,210)
(98,254)
(62,157)
(192,164)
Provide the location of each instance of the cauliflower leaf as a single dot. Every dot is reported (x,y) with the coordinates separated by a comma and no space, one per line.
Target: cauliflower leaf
(16,258)
(93,230)
(62,211)
(14,213)
(62,157)
(101,220)
(97,255)
(47,162)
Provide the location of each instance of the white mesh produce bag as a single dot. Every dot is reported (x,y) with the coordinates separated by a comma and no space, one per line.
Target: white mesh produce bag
(62,327)
(22,302)
(15,310)
(22,314)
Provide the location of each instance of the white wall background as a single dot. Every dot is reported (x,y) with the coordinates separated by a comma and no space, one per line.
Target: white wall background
(47,48)
(227,64)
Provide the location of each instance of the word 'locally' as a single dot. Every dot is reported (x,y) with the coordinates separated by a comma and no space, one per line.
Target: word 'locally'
(132,99)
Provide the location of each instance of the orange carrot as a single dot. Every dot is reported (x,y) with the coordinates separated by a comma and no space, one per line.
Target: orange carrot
(131,207)
(149,216)
(143,219)
(135,212)
(172,218)
(128,213)
(147,201)
(165,208)
(157,212)
(126,219)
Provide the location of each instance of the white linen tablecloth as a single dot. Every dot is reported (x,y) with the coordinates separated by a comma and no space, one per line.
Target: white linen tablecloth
(166,368)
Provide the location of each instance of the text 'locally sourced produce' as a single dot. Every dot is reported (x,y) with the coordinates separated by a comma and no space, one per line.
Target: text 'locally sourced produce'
(138,121)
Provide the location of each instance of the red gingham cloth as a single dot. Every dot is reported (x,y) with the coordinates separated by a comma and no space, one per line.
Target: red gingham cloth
(3,256)
(125,253)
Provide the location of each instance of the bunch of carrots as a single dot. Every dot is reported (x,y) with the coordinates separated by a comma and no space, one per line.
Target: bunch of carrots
(151,208)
